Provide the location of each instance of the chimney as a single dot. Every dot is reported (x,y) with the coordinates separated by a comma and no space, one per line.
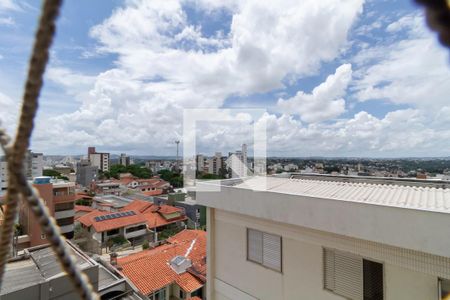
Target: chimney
(113,258)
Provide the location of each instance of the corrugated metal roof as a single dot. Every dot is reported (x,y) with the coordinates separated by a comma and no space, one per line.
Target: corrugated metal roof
(412,197)
(48,264)
(17,278)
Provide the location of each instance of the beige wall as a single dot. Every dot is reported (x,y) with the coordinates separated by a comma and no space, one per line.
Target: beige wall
(302,276)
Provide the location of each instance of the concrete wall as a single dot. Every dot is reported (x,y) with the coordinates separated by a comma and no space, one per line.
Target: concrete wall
(34,228)
(418,230)
(302,276)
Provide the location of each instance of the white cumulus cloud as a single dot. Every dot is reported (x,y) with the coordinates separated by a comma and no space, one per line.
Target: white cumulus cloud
(325,101)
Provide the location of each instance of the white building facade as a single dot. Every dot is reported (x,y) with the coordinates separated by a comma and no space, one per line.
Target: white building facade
(100,160)
(287,238)
(34,164)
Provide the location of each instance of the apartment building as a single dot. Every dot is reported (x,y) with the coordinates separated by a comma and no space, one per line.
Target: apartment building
(34,164)
(86,173)
(200,163)
(215,164)
(238,164)
(64,197)
(59,196)
(98,159)
(324,237)
(3,176)
(124,160)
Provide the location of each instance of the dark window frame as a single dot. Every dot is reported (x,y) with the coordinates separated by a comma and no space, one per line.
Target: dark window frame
(363,259)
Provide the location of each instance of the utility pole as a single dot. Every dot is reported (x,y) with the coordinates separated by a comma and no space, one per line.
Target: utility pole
(177,166)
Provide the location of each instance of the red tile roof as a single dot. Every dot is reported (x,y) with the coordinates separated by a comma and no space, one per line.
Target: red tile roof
(105,225)
(155,220)
(194,298)
(168,209)
(156,192)
(80,196)
(139,205)
(83,208)
(145,212)
(150,270)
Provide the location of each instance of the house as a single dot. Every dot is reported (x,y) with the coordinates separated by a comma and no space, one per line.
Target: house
(102,228)
(37,275)
(133,222)
(158,217)
(81,210)
(107,187)
(144,185)
(110,203)
(176,269)
(327,237)
(195,212)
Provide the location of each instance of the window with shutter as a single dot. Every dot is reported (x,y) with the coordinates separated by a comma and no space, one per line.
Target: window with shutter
(255,246)
(264,248)
(272,251)
(352,276)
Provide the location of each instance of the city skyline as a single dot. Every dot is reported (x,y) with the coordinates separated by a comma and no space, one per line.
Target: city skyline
(369,85)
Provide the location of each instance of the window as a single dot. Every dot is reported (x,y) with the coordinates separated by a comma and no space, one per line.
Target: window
(65,221)
(158,295)
(181,294)
(352,276)
(444,289)
(112,232)
(43,236)
(136,228)
(64,206)
(264,249)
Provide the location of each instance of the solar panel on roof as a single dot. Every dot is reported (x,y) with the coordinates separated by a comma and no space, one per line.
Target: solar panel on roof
(115,215)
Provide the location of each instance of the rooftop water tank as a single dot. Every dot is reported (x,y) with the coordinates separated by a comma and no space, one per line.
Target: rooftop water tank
(42,180)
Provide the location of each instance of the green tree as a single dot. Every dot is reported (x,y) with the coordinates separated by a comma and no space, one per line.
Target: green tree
(55,174)
(176,180)
(135,170)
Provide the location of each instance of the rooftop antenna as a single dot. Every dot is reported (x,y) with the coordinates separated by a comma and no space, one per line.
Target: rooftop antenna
(178,143)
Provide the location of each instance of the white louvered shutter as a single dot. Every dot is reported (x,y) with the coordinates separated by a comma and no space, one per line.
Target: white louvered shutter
(344,274)
(328,268)
(272,251)
(255,245)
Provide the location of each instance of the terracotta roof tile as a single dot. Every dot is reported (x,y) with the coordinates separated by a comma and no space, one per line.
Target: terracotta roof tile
(139,205)
(156,192)
(168,209)
(155,220)
(83,208)
(150,270)
(105,225)
(145,212)
(80,196)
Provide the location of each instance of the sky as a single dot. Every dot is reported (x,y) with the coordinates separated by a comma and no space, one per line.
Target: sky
(334,78)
